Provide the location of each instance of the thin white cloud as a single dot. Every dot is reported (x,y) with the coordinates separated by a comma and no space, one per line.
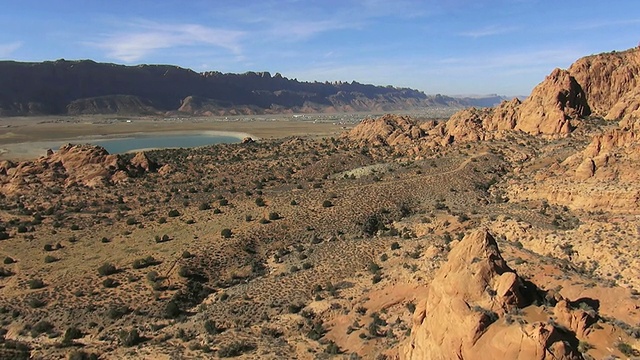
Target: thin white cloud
(302,30)
(144,38)
(7,49)
(488,31)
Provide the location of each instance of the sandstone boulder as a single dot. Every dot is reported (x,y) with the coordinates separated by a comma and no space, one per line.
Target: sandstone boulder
(466,297)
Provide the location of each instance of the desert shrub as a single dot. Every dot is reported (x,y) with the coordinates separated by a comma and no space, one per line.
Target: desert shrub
(226,233)
(48,247)
(5,272)
(236,348)
(173,213)
(35,284)
(260,202)
(204,206)
(332,348)
(373,267)
(627,349)
(212,328)
(110,283)
(264,221)
(116,312)
(317,332)
(171,310)
(4,235)
(75,227)
(186,254)
(145,262)
(162,220)
(36,302)
(130,338)
(223,202)
(372,224)
(107,269)
(327,203)
(8,260)
(293,202)
(105,240)
(395,245)
(274,216)
(152,276)
(411,307)
(376,278)
(49,259)
(81,355)
(40,327)
(71,334)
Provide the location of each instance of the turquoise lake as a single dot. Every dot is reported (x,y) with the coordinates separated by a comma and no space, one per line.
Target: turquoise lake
(123,145)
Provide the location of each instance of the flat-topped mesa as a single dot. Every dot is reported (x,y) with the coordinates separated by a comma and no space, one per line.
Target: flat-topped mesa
(86,165)
(469,293)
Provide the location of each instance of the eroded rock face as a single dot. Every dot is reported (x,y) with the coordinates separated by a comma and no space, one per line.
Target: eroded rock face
(552,105)
(607,78)
(85,165)
(549,110)
(467,295)
(388,130)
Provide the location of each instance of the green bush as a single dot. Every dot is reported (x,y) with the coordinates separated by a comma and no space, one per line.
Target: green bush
(171,310)
(274,216)
(130,338)
(110,283)
(226,233)
(35,284)
(327,203)
(107,269)
(260,202)
(234,349)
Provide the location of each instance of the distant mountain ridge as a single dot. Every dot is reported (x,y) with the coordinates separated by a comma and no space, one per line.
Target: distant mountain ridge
(86,87)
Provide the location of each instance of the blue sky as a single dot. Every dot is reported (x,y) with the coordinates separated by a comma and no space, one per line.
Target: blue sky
(445,46)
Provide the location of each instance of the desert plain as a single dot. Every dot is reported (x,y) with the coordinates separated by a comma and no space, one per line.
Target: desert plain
(508,232)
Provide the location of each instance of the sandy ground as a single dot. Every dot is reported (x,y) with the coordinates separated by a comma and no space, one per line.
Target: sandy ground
(25,138)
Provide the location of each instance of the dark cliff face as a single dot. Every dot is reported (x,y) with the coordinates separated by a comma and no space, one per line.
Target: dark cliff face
(87,87)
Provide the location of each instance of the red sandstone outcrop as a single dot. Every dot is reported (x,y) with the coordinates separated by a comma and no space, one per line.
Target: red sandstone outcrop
(552,105)
(607,78)
(457,320)
(549,110)
(85,165)
(391,130)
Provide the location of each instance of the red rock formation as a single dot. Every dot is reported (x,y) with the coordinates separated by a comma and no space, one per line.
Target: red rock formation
(475,286)
(607,78)
(391,130)
(85,165)
(552,105)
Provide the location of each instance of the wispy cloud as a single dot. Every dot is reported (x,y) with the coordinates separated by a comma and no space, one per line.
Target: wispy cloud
(302,30)
(488,31)
(143,38)
(7,49)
